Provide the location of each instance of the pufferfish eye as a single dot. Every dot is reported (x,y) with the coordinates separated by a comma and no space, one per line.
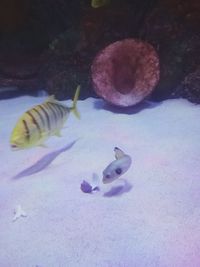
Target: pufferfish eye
(118,170)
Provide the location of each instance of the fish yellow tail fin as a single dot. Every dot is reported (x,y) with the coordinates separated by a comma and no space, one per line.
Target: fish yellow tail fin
(76,96)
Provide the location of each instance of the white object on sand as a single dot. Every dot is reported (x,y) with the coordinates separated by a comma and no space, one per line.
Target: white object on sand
(19,212)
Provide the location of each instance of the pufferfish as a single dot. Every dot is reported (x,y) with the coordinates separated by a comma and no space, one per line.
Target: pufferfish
(117,167)
(40,122)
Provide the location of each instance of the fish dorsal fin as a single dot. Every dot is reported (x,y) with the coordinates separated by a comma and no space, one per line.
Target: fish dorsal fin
(118,153)
(51,99)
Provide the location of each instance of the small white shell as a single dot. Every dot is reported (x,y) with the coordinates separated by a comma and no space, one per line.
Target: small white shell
(19,212)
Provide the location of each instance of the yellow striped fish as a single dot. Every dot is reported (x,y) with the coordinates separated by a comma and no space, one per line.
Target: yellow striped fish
(41,121)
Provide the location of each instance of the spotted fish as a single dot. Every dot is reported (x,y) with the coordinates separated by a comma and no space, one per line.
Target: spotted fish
(40,122)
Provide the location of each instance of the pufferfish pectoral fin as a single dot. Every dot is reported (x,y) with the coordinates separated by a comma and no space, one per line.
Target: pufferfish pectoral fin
(118,153)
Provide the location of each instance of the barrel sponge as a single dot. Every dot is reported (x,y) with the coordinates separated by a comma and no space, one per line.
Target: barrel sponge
(125,72)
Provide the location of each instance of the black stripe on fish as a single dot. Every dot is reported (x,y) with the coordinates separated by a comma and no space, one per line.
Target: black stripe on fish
(40,116)
(34,121)
(53,112)
(46,115)
(53,121)
(57,111)
(61,110)
(26,130)
(64,110)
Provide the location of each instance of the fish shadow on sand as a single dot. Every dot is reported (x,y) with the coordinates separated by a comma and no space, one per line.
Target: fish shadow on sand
(43,162)
(119,189)
(101,104)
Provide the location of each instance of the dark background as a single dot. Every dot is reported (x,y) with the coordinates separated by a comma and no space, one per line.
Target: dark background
(48,44)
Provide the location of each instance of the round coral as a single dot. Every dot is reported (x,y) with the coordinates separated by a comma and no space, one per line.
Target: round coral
(125,72)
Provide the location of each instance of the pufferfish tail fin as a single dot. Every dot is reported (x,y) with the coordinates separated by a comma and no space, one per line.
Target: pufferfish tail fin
(74,107)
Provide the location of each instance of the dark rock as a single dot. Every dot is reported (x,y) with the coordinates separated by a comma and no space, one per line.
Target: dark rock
(190,87)
(27,28)
(62,75)
(173,28)
(20,71)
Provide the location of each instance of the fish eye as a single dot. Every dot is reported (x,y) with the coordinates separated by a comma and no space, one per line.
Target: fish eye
(118,170)
(107,176)
(14,146)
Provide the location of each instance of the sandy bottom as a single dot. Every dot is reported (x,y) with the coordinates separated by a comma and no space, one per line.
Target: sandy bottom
(149,218)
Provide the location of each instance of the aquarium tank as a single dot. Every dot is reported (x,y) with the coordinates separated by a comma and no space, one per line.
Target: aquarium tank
(100,133)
